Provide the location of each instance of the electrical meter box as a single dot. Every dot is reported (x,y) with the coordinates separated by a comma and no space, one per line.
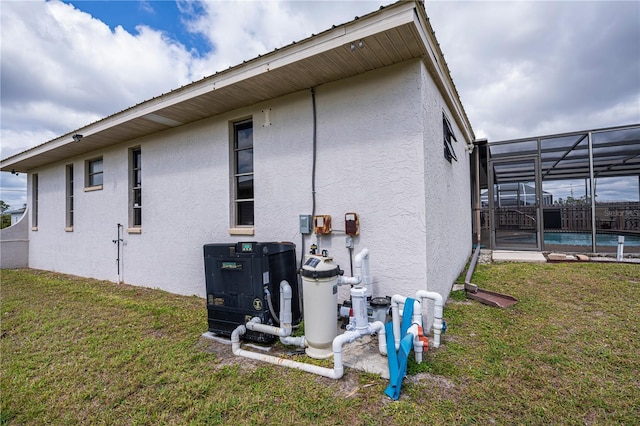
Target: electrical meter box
(237,275)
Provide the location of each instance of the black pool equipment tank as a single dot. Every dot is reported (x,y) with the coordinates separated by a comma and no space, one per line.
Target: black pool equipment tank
(239,278)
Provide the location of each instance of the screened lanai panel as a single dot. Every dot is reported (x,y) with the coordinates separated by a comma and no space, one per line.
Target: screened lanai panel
(616,152)
(510,149)
(515,204)
(590,183)
(565,157)
(616,161)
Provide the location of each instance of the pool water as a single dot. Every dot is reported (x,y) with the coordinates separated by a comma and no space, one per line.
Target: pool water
(584,239)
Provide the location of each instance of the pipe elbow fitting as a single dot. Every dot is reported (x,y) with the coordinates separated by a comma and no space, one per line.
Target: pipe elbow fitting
(364,253)
(294,341)
(285,289)
(432,295)
(349,280)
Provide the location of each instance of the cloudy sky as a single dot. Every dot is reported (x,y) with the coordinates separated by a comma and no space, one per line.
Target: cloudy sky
(521,68)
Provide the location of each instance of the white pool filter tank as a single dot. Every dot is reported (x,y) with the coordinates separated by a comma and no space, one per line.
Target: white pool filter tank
(320,301)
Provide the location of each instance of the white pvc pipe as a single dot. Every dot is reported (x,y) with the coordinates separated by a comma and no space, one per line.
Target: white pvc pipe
(342,280)
(396,301)
(338,369)
(418,344)
(285,329)
(362,274)
(362,269)
(359,306)
(437,312)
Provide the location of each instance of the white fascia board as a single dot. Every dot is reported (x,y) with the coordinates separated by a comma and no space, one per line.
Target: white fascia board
(6,164)
(353,31)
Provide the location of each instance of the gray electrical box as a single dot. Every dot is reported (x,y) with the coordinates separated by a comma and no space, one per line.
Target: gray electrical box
(305,223)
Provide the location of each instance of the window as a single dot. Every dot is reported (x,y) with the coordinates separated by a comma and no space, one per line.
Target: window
(69,198)
(449,153)
(94,173)
(135,188)
(243,173)
(34,202)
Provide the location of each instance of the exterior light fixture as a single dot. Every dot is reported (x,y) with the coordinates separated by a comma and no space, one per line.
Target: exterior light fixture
(76,137)
(13,172)
(360,45)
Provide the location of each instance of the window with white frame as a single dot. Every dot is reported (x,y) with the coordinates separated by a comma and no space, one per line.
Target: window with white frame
(243,173)
(135,188)
(69,197)
(447,130)
(93,176)
(34,201)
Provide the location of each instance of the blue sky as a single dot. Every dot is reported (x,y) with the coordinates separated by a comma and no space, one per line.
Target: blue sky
(521,68)
(162,15)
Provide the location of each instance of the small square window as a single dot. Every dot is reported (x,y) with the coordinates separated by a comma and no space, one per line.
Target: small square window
(93,176)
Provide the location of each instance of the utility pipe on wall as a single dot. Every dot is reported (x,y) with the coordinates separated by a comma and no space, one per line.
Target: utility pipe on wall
(118,241)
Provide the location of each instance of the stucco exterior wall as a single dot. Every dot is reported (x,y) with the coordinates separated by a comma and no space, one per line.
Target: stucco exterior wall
(447,194)
(371,147)
(14,245)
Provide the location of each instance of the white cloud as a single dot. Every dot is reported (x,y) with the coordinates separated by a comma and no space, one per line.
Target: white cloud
(521,68)
(63,69)
(530,68)
(57,57)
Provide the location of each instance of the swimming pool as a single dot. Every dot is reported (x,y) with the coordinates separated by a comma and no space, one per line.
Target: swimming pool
(584,239)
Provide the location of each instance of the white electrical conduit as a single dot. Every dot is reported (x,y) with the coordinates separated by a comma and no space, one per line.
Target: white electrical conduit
(333,373)
(437,312)
(284,331)
(362,274)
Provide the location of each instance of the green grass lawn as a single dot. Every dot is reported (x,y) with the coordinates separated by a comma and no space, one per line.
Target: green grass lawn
(76,350)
